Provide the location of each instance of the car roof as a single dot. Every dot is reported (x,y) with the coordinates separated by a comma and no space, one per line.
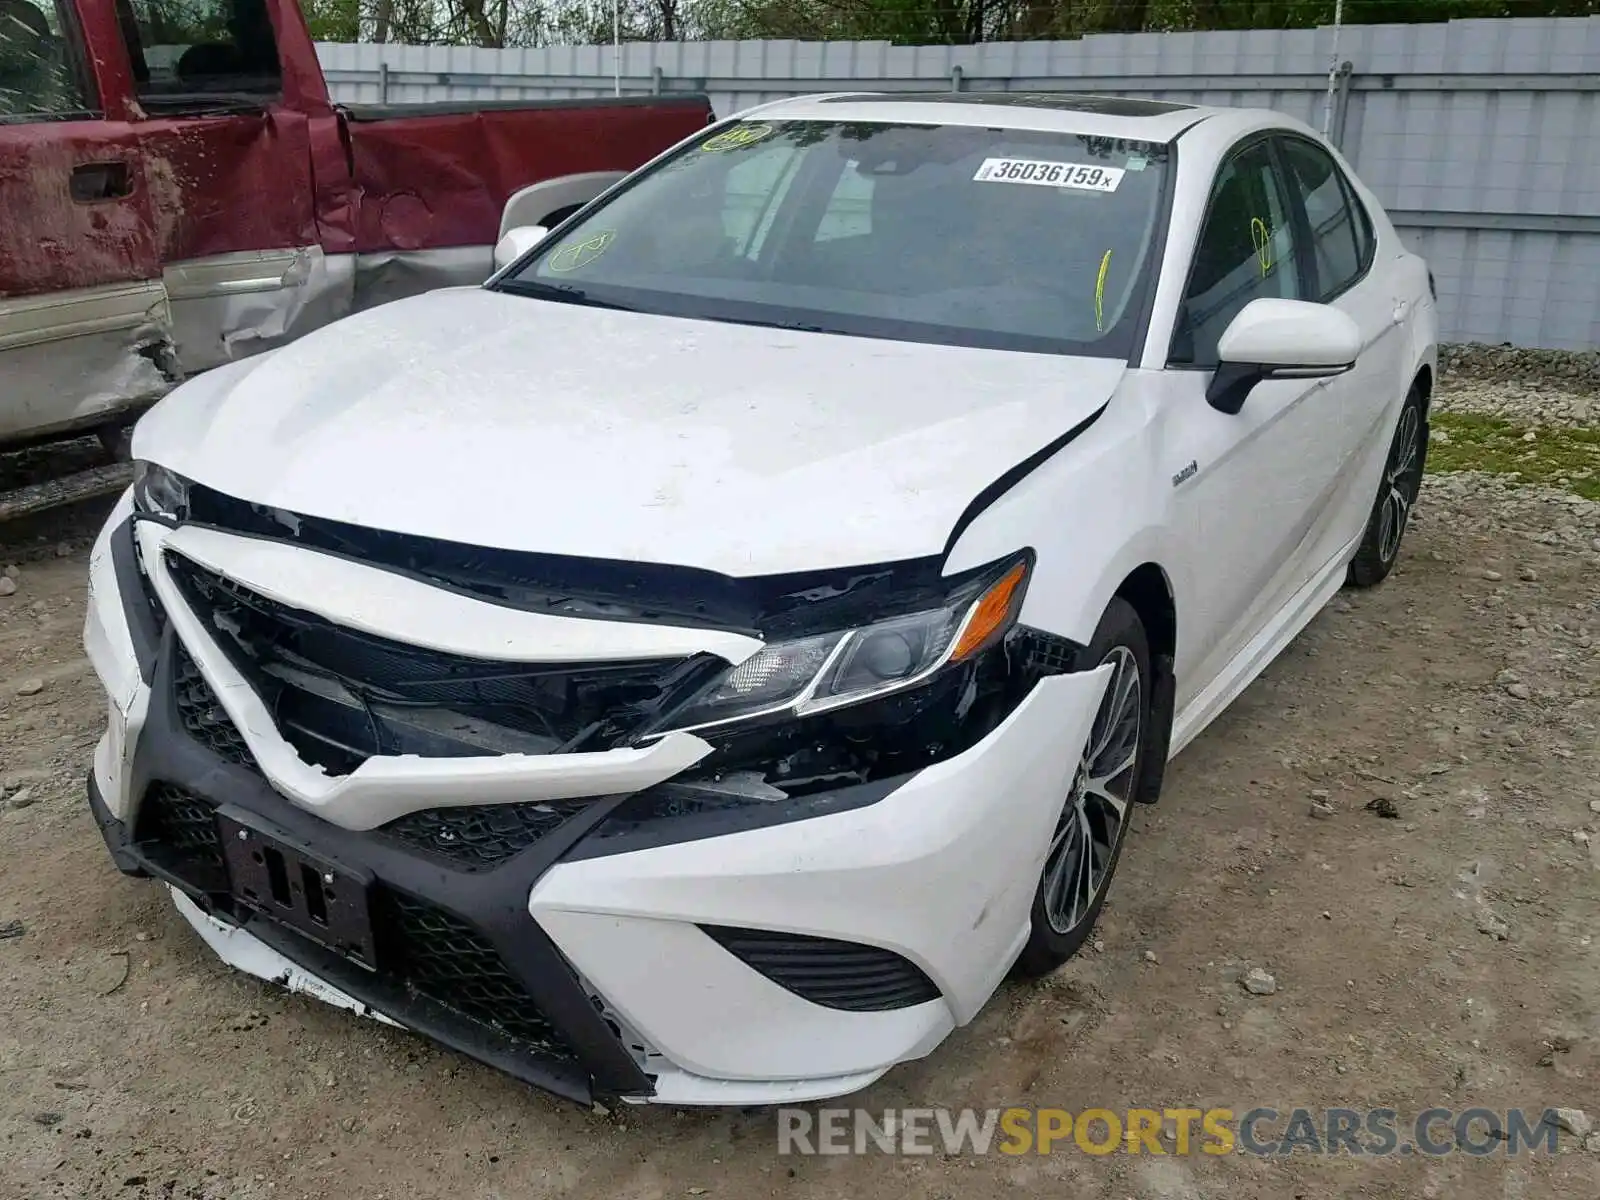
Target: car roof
(1062,112)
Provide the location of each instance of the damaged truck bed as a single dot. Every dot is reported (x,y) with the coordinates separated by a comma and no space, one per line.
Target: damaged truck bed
(180,193)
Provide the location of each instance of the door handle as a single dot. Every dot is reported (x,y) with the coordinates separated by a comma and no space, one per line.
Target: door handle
(100,181)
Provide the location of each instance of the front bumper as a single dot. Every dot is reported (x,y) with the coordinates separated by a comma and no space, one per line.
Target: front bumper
(583,964)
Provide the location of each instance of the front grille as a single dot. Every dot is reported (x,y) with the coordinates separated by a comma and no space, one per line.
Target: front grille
(178,830)
(446,960)
(834,974)
(479,837)
(340,696)
(202,713)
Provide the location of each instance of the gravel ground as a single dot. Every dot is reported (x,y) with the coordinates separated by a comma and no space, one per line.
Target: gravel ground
(1525,387)
(1532,403)
(1573,369)
(1442,957)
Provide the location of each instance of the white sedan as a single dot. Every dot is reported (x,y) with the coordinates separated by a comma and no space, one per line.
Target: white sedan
(701,663)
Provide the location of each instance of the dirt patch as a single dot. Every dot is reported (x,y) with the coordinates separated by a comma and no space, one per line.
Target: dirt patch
(1442,957)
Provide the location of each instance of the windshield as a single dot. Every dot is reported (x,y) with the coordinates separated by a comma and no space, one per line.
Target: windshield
(1002,238)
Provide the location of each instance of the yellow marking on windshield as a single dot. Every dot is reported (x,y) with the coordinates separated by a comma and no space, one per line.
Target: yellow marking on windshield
(1261,235)
(1100,293)
(578,254)
(736,138)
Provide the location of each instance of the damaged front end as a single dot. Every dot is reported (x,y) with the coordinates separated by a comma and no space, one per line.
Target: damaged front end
(866,674)
(341,697)
(776,771)
(855,682)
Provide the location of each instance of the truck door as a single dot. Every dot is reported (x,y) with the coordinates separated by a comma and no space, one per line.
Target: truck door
(83,317)
(227,146)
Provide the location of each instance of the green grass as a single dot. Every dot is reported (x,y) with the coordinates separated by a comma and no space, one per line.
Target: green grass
(1557,457)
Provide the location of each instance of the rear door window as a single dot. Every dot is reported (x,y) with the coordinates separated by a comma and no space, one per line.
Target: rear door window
(190,54)
(1338,247)
(1366,238)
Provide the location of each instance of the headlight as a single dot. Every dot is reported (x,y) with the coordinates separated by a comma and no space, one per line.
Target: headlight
(158,492)
(814,674)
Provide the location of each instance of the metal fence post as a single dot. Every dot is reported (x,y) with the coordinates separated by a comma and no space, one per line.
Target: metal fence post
(383,83)
(956,81)
(657,80)
(1341,104)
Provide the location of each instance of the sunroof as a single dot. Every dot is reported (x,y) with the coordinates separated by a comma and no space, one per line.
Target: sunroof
(1107,106)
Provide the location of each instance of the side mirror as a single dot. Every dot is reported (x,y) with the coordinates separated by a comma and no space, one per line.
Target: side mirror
(1280,339)
(516,243)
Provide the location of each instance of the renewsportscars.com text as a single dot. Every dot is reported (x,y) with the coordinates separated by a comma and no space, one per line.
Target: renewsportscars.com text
(1374,1132)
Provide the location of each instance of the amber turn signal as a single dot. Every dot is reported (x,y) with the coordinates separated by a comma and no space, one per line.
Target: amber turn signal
(992,613)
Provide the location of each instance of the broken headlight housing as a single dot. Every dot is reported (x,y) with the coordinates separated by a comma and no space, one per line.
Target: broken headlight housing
(158,492)
(809,675)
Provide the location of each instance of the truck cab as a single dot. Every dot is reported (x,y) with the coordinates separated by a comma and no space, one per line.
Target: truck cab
(179,191)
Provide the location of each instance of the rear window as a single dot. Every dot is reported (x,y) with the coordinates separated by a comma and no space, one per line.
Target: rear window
(195,51)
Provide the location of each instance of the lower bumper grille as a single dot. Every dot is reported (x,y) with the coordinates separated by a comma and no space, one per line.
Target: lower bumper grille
(178,831)
(421,947)
(445,960)
(479,837)
(834,974)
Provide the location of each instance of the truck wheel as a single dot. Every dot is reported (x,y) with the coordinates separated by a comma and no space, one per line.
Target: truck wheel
(560,215)
(117,440)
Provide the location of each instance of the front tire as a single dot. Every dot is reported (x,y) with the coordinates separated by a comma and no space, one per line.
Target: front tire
(1087,840)
(1397,496)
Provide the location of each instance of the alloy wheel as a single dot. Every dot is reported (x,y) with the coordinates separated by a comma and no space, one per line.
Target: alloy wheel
(1092,821)
(1402,479)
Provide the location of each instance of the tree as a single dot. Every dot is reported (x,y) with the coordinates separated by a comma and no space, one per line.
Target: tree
(333,20)
(905,22)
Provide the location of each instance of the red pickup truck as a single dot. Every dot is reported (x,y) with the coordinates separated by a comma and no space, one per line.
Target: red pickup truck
(177,190)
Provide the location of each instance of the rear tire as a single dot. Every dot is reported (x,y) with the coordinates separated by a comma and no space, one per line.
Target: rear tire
(560,215)
(1397,496)
(117,441)
(1095,815)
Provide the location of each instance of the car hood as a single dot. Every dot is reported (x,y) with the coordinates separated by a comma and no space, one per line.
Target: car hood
(497,420)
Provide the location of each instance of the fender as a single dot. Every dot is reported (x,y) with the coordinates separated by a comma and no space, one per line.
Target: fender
(532,204)
(1096,491)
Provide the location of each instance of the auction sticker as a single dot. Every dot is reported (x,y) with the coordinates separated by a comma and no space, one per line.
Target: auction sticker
(1049,174)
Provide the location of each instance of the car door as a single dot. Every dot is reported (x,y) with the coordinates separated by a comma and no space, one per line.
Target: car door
(230,159)
(82,311)
(1255,495)
(1339,237)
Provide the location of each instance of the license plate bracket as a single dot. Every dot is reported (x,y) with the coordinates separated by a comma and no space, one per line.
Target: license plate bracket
(296,887)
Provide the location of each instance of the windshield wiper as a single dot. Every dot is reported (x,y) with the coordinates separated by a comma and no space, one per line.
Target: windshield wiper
(563,293)
(798,326)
